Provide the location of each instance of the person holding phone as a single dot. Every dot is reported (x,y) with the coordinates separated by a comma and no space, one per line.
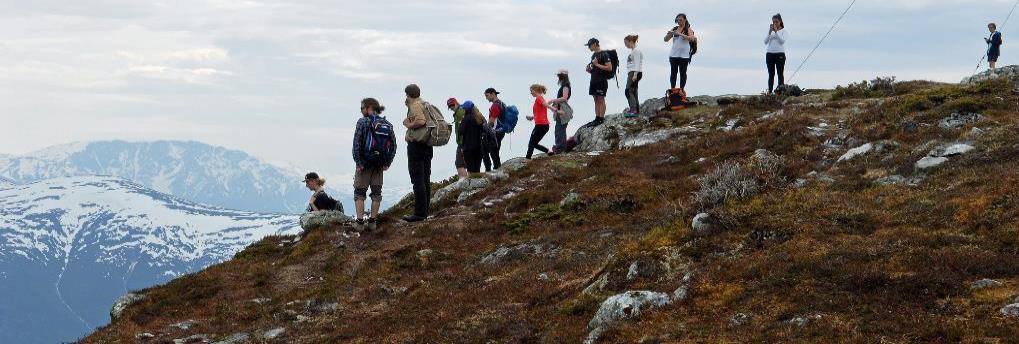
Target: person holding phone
(775,57)
(683,38)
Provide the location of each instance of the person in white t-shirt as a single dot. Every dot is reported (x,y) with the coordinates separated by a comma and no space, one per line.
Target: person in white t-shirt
(635,68)
(775,57)
(683,38)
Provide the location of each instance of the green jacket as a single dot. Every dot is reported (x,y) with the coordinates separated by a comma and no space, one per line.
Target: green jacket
(458,116)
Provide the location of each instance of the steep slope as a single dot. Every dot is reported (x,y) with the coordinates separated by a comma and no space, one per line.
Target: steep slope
(191,170)
(877,212)
(70,246)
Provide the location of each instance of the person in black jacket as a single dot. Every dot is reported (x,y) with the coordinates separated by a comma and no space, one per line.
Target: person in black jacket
(993,45)
(471,131)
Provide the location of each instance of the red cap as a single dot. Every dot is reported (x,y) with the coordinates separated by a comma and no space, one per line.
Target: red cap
(451,102)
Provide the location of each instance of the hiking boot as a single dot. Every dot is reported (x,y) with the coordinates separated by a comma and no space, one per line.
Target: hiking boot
(413,218)
(359,225)
(371,224)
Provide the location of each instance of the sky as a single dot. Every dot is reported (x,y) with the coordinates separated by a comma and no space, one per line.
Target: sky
(282,80)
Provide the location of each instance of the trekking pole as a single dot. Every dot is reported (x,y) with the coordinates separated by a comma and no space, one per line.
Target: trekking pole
(1009,17)
(811,54)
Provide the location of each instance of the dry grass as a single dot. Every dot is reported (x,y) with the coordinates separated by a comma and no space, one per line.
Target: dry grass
(878,263)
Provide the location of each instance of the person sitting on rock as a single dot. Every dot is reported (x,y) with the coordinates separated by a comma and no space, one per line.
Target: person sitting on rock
(319,199)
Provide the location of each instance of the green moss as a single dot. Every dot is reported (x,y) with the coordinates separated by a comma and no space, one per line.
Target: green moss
(545,212)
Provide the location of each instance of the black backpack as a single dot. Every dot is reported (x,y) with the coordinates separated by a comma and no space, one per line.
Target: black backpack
(327,202)
(614,58)
(489,140)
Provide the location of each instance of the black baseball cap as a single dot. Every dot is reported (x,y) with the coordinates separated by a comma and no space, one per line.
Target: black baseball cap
(491,90)
(591,42)
(311,176)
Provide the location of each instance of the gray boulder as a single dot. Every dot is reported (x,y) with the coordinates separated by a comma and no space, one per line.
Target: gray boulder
(951,150)
(930,162)
(704,224)
(1011,310)
(458,188)
(572,201)
(236,338)
(323,218)
(985,283)
(625,306)
(198,338)
(506,253)
(1010,72)
(959,120)
(121,304)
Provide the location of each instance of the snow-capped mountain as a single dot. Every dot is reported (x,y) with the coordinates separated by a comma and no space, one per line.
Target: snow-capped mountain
(70,246)
(190,170)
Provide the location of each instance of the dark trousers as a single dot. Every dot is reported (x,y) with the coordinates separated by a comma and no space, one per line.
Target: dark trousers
(535,143)
(472,158)
(631,89)
(419,163)
(776,62)
(560,136)
(491,158)
(679,65)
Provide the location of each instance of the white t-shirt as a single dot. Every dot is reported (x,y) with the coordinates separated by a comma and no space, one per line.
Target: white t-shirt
(635,62)
(776,41)
(680,47)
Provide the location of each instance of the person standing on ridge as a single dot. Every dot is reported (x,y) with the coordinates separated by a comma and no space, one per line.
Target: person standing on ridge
(373,150)
(683,42)
(561,107)
(775,57)
(600,69)
(458,115)
(491,159)
(472,130)
(419,154)
(993,46)
(540,118)
(635,68)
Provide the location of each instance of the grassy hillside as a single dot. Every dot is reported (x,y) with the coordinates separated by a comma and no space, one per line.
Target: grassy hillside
(796,240)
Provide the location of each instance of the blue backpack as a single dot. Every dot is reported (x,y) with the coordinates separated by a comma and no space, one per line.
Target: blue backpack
(380,143)
(508,119)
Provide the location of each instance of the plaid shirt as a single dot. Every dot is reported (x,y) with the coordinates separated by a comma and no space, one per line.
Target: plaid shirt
(361,132)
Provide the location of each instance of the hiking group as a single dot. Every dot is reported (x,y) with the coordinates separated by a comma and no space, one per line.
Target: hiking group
(479,139)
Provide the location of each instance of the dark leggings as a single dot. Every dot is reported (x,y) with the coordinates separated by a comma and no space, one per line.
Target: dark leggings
(539,133)
(491,158)
(631,90)
(679,65)
(775,61)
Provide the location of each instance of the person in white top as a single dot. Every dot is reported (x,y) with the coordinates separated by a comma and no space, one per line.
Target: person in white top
(635,66)
(775,57)
(683,38)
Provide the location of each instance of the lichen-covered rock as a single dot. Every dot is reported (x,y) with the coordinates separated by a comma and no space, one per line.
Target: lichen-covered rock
(704,224)
(985,283)
(572,201)
(959,120)
(625,306)
(323,218)
(121,304)
(459,187)
(1011,310)
(1010,72)
(951,150)
(509,253)
(236,338)
(930,162)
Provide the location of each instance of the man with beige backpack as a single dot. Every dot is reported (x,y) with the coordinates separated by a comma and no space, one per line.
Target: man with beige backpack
(426,128)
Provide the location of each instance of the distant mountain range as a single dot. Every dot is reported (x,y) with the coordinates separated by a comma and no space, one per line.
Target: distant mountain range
(69,246)
(193,171)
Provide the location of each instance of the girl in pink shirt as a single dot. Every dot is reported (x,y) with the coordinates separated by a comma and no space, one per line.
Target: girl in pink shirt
(540,118)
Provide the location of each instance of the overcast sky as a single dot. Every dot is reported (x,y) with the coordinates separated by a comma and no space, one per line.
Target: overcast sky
(282,79)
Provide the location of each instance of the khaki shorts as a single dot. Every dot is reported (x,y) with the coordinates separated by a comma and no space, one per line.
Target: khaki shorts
(368,177)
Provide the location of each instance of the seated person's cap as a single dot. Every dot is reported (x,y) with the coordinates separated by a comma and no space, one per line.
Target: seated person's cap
(311,176)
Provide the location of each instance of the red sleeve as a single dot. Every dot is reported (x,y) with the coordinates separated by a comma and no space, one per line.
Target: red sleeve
(494,112)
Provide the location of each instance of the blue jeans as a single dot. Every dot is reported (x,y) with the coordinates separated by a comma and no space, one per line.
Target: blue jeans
(560,136)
